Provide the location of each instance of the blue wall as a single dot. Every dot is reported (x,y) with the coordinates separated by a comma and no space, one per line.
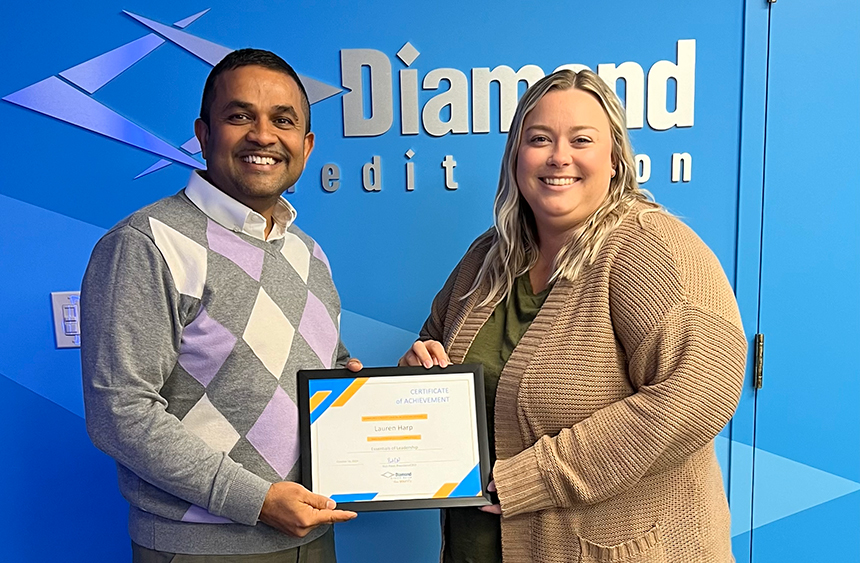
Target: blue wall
(63,186)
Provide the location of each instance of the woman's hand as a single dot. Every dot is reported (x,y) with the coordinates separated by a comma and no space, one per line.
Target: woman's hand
(427,353)
(493,508)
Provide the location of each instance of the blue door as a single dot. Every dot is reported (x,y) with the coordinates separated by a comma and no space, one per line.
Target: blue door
(806,484)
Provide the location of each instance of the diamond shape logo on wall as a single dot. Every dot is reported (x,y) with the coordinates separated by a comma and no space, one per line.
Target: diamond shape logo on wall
(68,96)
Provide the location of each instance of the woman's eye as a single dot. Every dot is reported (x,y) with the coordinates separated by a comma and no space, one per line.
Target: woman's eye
(538,139)
(581,141)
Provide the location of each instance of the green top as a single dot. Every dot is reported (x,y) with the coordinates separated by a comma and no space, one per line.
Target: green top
(473,536)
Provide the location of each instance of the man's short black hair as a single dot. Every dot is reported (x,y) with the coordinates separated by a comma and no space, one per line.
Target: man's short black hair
(251,57)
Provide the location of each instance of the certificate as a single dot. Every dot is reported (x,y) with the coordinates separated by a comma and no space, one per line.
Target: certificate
(395,438)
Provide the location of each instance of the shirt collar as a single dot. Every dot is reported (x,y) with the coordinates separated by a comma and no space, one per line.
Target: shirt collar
(235,215)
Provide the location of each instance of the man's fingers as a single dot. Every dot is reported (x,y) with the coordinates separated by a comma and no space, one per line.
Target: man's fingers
(295,510)
(319,502)
(492,509)
(335,516)
(354,364)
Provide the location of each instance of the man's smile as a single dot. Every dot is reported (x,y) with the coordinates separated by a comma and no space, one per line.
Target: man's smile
(261,160)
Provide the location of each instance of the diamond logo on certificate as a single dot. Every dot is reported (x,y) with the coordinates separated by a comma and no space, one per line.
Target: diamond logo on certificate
(395,438)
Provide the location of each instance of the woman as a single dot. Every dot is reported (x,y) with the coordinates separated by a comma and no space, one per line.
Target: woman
(612,345)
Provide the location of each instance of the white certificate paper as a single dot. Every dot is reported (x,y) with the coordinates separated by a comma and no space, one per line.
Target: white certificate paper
(396,438)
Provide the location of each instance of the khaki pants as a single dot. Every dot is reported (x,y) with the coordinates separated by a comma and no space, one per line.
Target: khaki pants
(321,550)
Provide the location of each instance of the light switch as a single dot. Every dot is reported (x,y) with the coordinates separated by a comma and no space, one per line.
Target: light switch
(67,318)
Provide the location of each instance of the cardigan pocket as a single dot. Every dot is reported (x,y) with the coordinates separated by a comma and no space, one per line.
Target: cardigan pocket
(646,549)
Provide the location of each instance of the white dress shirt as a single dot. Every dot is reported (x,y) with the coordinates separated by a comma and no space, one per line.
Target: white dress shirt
(235,215)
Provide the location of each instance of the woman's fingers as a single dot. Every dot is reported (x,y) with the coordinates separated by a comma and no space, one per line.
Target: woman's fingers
(427,353)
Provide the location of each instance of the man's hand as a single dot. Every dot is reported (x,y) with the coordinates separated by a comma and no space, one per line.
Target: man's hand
(296,511)
(427,353)
(354,364)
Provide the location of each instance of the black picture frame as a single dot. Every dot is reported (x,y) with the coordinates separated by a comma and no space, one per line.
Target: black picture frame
(304,376)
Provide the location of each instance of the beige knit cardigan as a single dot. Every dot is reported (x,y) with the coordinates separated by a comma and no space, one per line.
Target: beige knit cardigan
(607,409)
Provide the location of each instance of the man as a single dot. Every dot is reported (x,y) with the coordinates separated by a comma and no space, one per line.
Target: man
(197,312)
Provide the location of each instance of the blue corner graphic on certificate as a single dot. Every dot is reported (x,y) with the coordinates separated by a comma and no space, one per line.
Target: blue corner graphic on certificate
(471,485)
(324,392)
(356,497)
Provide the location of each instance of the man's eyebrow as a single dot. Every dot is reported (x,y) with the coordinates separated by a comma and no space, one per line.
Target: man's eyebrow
(239,104)
(286,109)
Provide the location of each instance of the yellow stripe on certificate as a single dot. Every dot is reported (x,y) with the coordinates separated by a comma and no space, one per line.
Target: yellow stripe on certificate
(393,438)
(393,417)
(318,398)
(445,490)
(349,392)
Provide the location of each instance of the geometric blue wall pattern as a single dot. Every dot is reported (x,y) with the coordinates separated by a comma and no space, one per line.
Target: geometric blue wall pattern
(135,80)
(212,53)
(785,487)
(59,99)
(98,71)
(59,452)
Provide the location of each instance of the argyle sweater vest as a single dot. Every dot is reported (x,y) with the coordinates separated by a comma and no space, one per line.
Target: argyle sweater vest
(193,335)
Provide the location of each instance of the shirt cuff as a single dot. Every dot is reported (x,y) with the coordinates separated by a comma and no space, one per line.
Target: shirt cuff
(520,485)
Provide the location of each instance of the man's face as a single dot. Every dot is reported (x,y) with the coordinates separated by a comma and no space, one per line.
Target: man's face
(255,145)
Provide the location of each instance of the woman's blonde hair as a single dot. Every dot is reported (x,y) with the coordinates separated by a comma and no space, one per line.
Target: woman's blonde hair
(514,250)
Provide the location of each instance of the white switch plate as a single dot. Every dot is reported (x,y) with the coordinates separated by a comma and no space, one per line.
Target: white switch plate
(67,318)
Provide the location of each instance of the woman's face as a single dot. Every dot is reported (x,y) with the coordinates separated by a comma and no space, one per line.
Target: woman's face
(564,161)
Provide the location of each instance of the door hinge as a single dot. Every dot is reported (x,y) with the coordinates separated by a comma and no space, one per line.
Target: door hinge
(758,360)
